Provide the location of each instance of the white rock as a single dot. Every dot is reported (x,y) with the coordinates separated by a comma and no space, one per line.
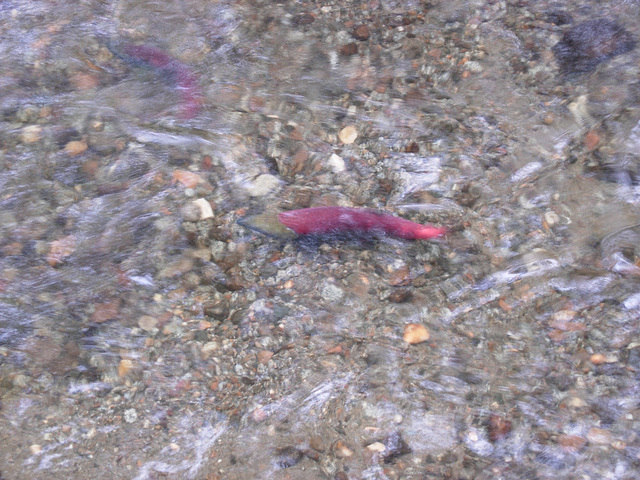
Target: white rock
(552,218)
(377,447)
(130,415)
(262,185)
(205,208)
(336,163)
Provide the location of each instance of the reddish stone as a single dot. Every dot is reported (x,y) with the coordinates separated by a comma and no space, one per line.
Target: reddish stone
(349,49)
(106,311)
(361,32)
(498,427)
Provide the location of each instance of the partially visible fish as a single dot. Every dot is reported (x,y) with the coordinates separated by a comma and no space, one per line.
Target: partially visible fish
(340,220)
(186,81)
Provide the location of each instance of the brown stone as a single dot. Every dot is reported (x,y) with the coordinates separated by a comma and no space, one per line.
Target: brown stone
(106,311)
(591,140)
(498,427)
(300,159)
(124,367)
(264,356)
(361,32)
(349,49)
(187,178)
(61,249)
(90,167)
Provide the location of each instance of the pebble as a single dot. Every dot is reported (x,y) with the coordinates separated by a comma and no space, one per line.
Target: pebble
(498,427)
(332,294)
(377,447)
(130,415)
(262,185)
(551,218)
(415,333)
(187,179)
(599,359)
(336,163)
(264,356)
(348,135)
(209,348)
(342,450)
(147,323)
(204,207)
(35,449)
(106,311)
(349,49)
(564,315)
(303,19)
(361,32)
(619,445)
(124,367)
(75,147)
(575,402)
(591,140)
(31,133)
(287,457)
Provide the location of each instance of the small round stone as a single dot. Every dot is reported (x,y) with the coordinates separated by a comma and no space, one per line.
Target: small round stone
(348,134)
(147,323)
(31,133)
(415,333)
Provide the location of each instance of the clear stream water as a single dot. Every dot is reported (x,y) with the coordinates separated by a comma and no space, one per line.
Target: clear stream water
(145,334)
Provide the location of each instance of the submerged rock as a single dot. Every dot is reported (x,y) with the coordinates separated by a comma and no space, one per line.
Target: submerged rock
(587,44)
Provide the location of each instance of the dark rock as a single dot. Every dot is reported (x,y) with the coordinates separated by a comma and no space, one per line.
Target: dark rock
(287,457)
(395,447)
(400,295)
(303,19)
(584,46)
(349,49)
(559,17)
(498,427)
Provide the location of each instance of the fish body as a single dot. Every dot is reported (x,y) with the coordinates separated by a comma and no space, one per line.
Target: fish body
(327,220)
(338,221)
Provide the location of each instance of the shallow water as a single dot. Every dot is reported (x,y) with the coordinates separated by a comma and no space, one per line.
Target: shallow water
(145,336)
